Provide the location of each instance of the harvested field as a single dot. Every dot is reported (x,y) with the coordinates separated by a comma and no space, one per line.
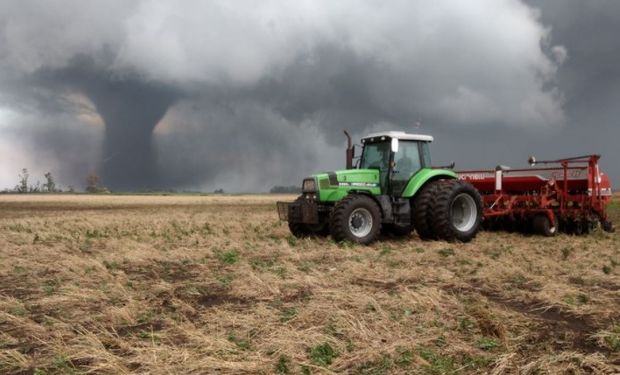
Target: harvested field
(216,284)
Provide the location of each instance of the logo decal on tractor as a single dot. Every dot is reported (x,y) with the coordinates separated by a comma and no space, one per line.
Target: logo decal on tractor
(358,184)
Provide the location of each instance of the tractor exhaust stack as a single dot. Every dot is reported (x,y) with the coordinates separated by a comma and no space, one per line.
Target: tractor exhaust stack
(350,152)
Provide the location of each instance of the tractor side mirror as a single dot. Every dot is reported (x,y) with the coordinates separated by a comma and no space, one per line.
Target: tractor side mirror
(394,144)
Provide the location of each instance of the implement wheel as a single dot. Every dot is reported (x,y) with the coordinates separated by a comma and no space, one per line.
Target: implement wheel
(356,218)
(608,226)
(543,227)
(457,211)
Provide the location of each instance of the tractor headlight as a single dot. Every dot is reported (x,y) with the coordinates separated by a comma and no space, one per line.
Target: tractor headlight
(309,186)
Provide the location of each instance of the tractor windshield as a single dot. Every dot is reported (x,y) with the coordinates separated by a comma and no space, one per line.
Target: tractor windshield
(376,156)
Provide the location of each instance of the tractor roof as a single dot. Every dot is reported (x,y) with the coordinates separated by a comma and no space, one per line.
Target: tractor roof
(397,134)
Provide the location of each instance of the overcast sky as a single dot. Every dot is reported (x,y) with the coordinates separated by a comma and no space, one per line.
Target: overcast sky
(244,95)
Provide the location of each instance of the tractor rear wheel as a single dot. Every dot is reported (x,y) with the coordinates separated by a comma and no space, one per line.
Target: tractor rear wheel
(457,211)
(543,226)
(422,206)
(356,218)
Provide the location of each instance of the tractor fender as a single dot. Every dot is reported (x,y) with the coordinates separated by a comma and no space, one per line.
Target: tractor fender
(423,177)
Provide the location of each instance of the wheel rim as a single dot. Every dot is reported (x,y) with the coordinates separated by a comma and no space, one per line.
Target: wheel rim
(360,222)
(464,212)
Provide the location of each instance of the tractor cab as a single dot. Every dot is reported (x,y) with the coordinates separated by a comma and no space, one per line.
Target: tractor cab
(397,155)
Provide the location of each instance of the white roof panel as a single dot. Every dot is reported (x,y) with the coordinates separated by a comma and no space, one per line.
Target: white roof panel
(401,135)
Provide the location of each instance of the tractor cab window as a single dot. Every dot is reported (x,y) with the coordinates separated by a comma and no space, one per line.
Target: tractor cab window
(406,163)
(426,154)
(406,160)
(376,156)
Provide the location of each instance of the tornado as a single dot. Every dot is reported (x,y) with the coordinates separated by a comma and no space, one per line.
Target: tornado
(130,110)
(130,107)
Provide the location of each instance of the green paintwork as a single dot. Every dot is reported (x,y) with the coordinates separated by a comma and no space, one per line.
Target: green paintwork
(419,179)
(368,180)
(348,179)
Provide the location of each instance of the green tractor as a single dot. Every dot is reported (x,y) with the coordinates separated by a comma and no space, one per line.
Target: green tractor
(393,189)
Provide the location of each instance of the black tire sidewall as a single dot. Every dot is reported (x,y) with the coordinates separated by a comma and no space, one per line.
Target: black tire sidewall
(423,204)
(471,191)
(340,224)
(455,189)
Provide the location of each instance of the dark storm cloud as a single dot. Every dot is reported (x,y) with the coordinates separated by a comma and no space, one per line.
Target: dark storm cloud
(589,80)
(248,96)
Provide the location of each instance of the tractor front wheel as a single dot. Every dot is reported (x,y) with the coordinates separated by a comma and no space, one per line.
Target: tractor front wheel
(356,218)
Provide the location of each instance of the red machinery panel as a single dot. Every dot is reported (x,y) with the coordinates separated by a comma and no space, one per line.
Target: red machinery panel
(571,193)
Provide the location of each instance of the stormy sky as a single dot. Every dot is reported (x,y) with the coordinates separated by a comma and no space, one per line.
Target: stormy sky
(244,95)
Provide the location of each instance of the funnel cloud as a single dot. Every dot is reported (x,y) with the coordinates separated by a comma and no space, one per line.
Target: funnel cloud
(130,109)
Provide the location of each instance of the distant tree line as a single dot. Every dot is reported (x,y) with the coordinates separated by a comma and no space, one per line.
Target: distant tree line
(94,185)
(25,186)
(292,189)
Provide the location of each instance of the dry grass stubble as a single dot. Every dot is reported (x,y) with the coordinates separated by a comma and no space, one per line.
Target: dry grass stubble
(123,284)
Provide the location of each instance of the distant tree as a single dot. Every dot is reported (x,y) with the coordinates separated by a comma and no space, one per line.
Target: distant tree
(22,186)
(219,191)
(292,189)
(35,188)
(50,184)
(70,189)
(93,184)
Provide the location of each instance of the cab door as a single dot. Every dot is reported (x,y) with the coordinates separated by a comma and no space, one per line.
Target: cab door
(406,163)
(378,156)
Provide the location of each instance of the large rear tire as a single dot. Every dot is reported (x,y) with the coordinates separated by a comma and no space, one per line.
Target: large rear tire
(356,218)
(457,211)
(422,210)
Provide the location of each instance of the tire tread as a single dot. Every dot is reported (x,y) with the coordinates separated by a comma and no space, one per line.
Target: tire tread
(339,226)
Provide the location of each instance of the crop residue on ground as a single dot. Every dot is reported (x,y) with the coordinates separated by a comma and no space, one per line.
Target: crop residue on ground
(216,284)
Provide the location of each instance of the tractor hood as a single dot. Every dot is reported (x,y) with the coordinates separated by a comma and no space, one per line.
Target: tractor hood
(333,186)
